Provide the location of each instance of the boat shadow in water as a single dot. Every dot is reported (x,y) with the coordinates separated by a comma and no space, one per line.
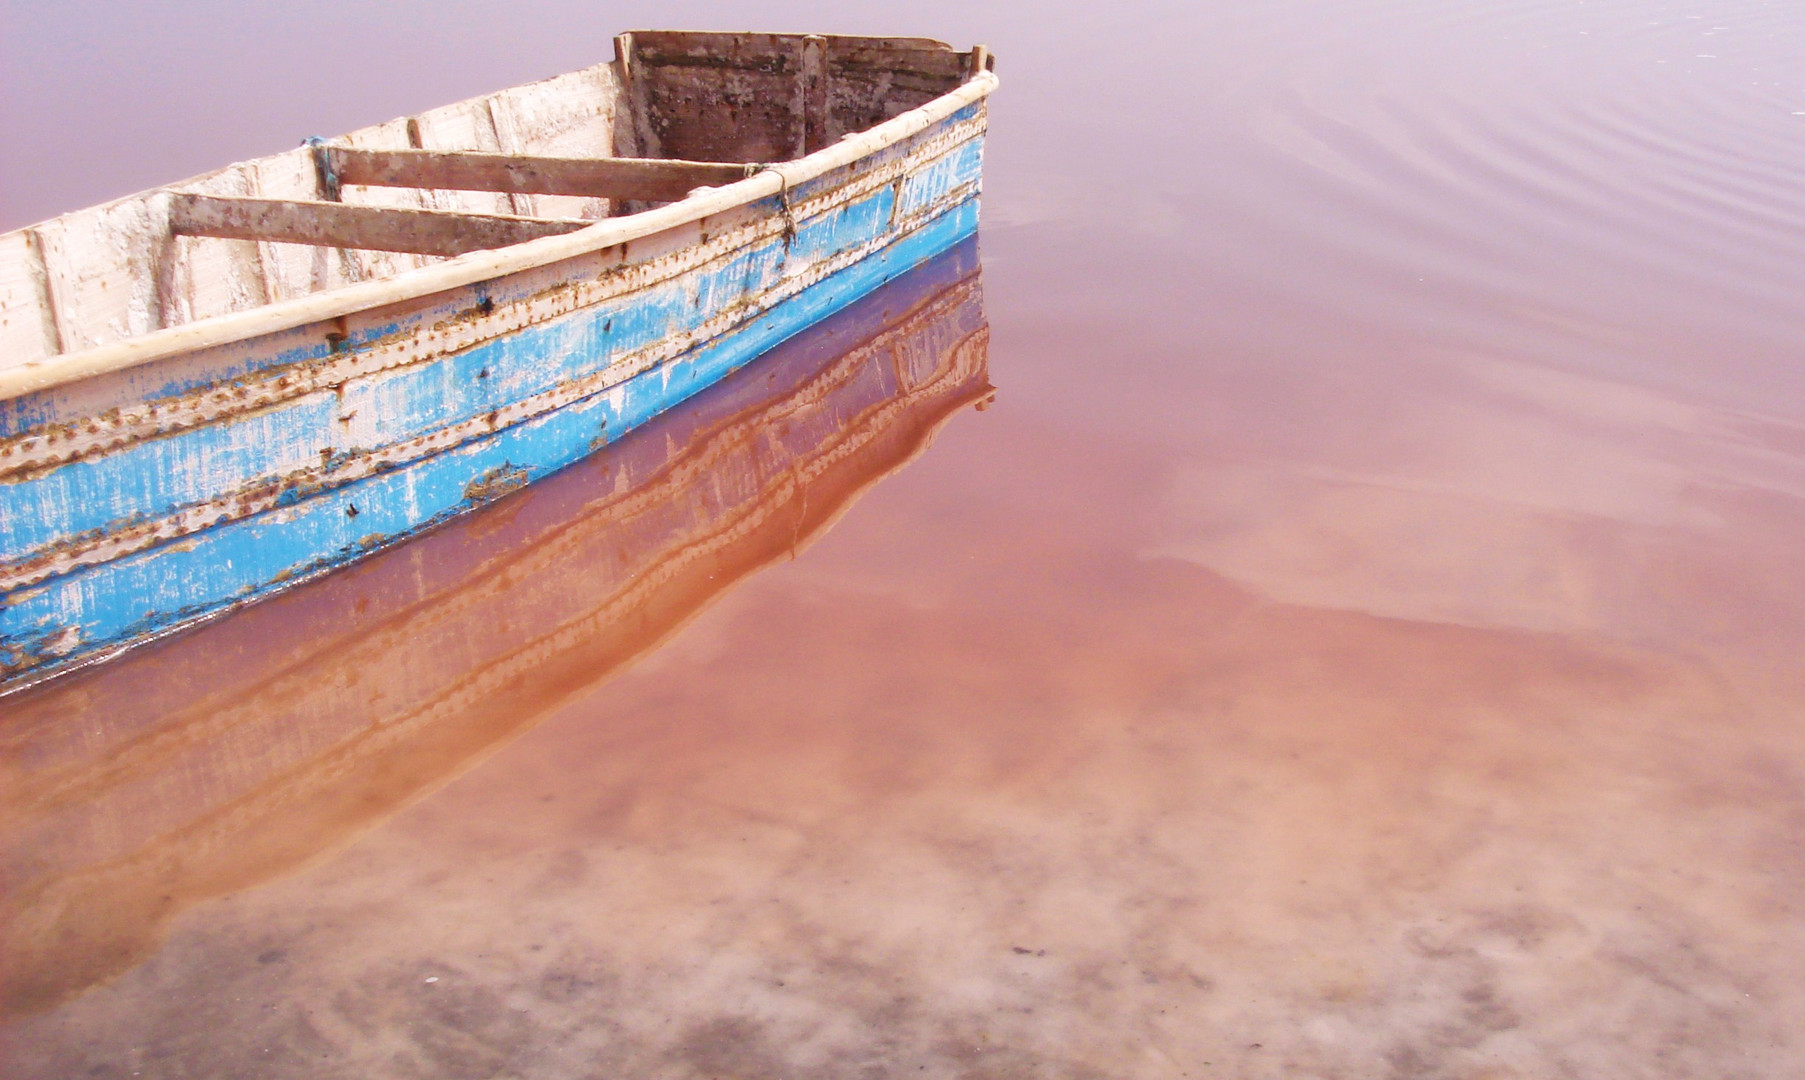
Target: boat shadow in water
(219,757)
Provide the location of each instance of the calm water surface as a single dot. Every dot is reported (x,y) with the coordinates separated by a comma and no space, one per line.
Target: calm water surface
(1362,640)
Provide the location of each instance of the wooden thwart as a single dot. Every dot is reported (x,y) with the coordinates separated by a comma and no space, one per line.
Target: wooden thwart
(649,179)
(341,225)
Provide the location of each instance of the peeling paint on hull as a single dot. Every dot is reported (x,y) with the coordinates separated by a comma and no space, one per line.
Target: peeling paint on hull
(137,502)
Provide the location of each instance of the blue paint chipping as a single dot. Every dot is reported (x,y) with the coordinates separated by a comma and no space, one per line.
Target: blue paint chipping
(140,594)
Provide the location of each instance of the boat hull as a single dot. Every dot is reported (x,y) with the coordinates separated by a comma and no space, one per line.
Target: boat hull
(140,500)
(214,759)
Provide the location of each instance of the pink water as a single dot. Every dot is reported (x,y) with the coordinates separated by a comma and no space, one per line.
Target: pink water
(1362,641)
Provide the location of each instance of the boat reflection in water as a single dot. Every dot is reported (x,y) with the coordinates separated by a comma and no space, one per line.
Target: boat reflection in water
(206,762)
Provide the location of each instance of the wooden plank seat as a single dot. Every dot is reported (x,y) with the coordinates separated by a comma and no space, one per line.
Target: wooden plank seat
(341,225)
(442,232)
(648,179)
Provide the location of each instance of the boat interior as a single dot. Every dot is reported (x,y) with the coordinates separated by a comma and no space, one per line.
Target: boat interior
(673,112)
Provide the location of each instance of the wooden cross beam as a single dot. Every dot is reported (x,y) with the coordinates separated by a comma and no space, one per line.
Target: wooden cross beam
(649,179)
(342,225)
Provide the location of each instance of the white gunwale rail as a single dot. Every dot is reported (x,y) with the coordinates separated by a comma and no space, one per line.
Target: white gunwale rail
(475,266)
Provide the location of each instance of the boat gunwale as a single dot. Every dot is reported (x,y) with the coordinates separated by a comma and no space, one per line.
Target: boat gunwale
(774,178)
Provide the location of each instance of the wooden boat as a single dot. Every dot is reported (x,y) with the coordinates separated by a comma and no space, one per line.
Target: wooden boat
(217,388)
(212,759)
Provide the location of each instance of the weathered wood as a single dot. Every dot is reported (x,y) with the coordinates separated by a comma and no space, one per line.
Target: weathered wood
(200,278)
(814,93)
(466,127)
(368,263)
(788,95)
(570,116)
(27,323)
(291,271)
(623,57)
(609,178)
(101,268)
(775,53)
(297,301)
(632,134)
(341,225)
(115,274)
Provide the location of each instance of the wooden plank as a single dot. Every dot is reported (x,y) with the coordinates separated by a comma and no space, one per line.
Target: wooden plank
(633,136)
(572,115)
(814,93)
(201,278)
(368,263)
(611,178)
(101,269)
(907,57)
(769,54)
(871,80)
(776,53)
(342,225)
(291,271)
(466,127)
(27,329)
(788,94)
(732,49)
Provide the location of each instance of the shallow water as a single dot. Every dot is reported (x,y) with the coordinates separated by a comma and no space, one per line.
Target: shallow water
(1361,641)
